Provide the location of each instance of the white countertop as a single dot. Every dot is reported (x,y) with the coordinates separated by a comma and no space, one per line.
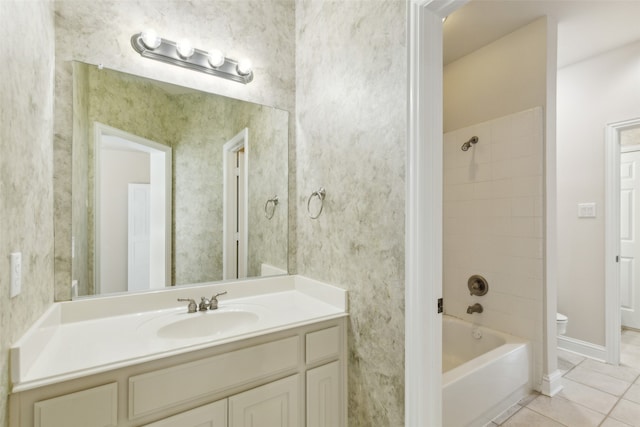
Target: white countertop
(85,337)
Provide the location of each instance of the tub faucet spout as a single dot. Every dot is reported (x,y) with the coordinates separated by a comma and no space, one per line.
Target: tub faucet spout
(475,308)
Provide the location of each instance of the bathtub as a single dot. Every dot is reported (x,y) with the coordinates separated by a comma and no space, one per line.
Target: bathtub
(484,372)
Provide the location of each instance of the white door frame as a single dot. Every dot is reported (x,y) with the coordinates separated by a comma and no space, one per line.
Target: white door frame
(100,130)
(612,237)
(423,222)
(241,140)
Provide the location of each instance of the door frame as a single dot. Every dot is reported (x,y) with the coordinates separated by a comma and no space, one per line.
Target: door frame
(235,144)
(423,220)
(623,150)
(164,173)
(613,321)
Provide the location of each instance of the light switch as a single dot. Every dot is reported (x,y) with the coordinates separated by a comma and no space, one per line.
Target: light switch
(586,210)
(16,274)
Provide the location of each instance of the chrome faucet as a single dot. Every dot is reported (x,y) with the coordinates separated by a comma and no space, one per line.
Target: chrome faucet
(205,304)
(213,302)
(475,308)
(192,307)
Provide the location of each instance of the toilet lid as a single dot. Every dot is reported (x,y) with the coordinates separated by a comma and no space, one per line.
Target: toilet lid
(561,317)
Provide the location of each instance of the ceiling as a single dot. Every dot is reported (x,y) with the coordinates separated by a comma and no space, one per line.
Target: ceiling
(585,27)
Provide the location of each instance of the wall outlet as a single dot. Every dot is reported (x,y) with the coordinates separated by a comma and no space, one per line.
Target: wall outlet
(16,274)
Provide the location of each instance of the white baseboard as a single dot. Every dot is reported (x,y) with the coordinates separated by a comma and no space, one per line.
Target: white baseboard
(592,351)
(552,383)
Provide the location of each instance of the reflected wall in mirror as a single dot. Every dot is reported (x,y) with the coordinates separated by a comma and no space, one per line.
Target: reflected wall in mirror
(204,135)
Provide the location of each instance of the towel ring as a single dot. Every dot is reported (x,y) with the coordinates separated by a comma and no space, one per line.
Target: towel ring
(320,194)
(273,202)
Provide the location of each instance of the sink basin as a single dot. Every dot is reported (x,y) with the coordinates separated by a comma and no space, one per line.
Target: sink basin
(208,323)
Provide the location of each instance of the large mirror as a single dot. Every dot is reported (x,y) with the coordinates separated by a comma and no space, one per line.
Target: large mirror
(173,186)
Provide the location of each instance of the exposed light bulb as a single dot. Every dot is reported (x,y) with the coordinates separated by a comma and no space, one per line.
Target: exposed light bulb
(244,67)
(216,58)
(185,48)
(151,39)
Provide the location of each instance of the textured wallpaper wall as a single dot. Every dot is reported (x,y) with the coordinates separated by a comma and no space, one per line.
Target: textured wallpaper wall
(100,32)
(26,193)
(351,135)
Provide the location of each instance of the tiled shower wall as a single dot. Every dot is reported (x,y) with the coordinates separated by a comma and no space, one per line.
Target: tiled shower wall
(493,207)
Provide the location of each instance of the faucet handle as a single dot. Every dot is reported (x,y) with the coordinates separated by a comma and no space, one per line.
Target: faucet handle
(193,307)
(213,302)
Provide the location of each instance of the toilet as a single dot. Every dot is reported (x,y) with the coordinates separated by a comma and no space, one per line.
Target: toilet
(562,321)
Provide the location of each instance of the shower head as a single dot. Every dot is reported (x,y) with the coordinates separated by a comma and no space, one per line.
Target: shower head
(467,145)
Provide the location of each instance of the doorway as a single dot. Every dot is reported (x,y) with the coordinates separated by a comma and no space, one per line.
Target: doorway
(622,290)
(132,211)
(235,154)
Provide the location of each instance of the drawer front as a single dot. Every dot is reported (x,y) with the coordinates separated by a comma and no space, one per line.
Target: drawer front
(95,407)
(211,415)
(169,387)
(324,344)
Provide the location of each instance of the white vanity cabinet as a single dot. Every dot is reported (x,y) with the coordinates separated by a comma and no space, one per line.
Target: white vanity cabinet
(293,377)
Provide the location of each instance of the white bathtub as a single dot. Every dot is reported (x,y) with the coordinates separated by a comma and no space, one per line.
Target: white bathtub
(484,372)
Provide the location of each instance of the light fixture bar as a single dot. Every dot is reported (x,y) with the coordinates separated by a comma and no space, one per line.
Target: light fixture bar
(167,52)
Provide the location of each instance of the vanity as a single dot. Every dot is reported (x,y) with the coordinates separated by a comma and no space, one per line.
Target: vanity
(272,354)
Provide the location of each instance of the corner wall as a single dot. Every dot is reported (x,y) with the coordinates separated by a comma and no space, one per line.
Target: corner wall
(351,107)
(26,193)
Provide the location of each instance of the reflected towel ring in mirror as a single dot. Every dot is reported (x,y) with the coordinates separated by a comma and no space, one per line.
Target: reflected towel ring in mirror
(320,194)
(268,213)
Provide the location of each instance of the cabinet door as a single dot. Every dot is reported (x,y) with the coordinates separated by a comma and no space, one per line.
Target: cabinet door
(211,415)
(274,405)
(324,396)
(95,407)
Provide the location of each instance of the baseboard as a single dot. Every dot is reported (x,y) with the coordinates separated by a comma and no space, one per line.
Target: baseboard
(552,383)
(587,349)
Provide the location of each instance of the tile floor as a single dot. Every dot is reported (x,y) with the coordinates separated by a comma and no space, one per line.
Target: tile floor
(594,393)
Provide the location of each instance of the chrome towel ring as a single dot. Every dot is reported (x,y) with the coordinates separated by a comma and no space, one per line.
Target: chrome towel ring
(320,194)
(268,213)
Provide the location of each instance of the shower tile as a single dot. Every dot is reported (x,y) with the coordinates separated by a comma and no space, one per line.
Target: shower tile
(522,206)
(628,412)
(527,186)
(458,192)
(502,188)
(566,412)
(591,398)
(538,207)
(523,227)
(598,380)
(482,190)
(528,418)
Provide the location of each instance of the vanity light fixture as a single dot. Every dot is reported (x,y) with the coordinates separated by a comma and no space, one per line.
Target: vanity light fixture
(183,54)
(185,49)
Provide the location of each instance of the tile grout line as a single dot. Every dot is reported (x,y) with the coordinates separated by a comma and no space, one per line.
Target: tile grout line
(618,401)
